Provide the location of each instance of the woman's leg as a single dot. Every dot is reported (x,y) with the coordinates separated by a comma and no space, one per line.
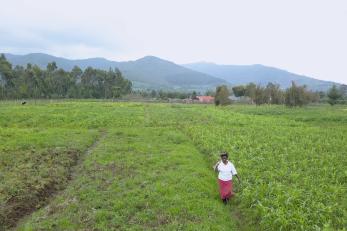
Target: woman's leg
(225,189)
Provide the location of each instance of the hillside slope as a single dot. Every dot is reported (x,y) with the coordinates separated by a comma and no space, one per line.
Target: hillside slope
(259,74)
(149,71)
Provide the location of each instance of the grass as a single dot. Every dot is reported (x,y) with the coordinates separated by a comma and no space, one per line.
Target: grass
(293,169)
(35,163)
(139,179)
(152,168)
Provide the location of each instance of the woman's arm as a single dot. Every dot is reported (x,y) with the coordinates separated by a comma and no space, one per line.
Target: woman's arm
(215,167)
(234,172)
(237,176)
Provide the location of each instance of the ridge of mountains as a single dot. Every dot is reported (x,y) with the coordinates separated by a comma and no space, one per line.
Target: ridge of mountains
(148,72)
(259,74)
(151,72)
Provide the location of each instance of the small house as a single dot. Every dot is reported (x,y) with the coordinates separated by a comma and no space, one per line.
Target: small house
(205,99)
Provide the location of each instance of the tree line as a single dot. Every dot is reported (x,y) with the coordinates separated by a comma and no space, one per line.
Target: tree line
(163,94)
(272,94)
(53,82)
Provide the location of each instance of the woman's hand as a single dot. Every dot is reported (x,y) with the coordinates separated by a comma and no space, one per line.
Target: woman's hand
(238,178)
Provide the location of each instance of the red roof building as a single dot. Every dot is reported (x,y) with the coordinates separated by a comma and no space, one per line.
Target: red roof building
(205,99)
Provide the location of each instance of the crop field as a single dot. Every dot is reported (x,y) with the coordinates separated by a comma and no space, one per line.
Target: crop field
(84,165)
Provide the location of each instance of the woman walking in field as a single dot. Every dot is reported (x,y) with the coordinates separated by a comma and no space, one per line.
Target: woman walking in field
(226,170)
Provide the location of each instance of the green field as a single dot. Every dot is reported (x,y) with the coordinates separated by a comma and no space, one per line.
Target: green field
(83,165)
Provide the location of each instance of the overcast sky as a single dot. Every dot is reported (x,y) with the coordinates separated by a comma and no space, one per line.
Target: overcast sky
(303,36)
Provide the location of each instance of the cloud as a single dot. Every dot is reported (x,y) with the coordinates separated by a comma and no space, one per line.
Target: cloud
(68,43)
(306,37)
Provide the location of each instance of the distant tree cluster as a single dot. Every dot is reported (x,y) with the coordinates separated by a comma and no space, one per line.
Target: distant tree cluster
(271,94)
(164,94)
(222,96)
(53,82)
(337,95)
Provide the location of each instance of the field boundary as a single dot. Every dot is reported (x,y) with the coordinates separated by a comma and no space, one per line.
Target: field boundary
(87,152)
(73,172)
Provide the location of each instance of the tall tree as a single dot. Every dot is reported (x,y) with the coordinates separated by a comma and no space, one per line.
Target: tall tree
(260,96)
(6,77)
(222,96)
(274,94)
(297,96)
(194,95)
(52,67)
(343,90)
(76,74)
(250,91)
(239,90)
(334,95)
(153,94)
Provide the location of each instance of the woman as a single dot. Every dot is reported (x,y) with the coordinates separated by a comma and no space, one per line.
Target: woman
(226,170)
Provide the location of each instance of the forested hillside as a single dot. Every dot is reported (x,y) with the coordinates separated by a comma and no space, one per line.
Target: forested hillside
(147,72)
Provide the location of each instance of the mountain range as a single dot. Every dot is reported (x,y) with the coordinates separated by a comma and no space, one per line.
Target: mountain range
(148,72)
(259,74)
(154,73)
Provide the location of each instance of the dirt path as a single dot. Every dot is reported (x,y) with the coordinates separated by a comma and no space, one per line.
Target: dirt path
(74,171)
